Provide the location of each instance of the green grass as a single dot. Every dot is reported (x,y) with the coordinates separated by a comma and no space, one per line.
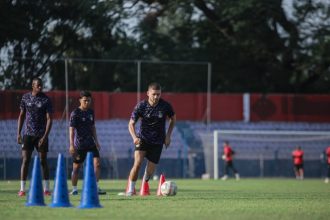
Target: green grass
(196,199)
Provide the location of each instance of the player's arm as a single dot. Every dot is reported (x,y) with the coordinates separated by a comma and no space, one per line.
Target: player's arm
(132,131)
(48,127)
(20,122)
(95,137)
(71,139)
(172,121)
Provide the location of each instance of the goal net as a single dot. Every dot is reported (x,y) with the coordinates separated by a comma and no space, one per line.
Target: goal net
(262,145)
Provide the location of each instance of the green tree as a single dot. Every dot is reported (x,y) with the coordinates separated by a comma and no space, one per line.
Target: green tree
(255,46)
(35,36)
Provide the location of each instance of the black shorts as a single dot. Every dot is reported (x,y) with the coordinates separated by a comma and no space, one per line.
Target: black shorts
(31,142)
(229,163)
(298,166)
(80,155)
(153,151)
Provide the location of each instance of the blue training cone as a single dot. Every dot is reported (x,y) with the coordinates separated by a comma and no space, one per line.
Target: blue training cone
(60,194)
(36,196)
(89,196)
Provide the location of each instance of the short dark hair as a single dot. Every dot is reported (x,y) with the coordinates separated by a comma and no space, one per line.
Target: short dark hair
(85,94)
(155,86)
(37,79)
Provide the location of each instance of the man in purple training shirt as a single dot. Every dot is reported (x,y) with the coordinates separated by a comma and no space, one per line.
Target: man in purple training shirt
(153,113)
(36,108)
(83,139)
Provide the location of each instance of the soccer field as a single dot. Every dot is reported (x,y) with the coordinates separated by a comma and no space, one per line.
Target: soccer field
(196,199)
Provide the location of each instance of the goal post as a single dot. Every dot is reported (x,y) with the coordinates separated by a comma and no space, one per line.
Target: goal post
(254,142)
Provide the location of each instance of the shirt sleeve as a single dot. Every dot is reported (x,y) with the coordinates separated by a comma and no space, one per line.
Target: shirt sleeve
(136,113)
(73,119)
(49,106)
(22,104)
(93,119)
(170,111)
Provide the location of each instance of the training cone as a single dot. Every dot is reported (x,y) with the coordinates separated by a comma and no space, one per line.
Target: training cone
(161,181)
(36,196)
(60,194)
(89,196)
(144,191)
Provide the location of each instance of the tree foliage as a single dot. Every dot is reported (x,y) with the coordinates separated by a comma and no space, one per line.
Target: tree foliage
(253,45)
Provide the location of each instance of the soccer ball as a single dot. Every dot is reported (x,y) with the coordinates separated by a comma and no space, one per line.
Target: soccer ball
(168,188)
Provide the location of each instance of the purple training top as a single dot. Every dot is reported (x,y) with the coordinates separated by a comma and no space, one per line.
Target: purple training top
(152,128)
(83,123)
(36,108)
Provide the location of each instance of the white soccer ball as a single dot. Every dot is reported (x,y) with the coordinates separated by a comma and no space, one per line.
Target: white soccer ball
(168,188)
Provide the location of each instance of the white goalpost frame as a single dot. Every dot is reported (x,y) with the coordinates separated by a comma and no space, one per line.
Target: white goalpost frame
(216,134)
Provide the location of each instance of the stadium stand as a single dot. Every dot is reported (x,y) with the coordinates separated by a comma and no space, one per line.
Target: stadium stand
(113,137)
(185,157)
(116,148)
(116,141)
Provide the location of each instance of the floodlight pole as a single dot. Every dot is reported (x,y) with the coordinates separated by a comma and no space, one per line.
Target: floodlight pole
(138,81)
(66,97)
(66,107)
(208,96)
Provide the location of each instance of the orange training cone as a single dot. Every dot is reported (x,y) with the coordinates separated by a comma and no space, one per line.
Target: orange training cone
(144,191)
(161,181)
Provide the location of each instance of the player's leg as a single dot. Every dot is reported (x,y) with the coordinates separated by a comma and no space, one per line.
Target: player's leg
(301,172)
(78,158)
(74,178)
(227,166)
(235,171)
(233,168)
(26,158)
(43,149)
(153,154)
(296,171)
(138,159)
(328,175)
(45,172)
(97,169)
(149,171)
(27,149)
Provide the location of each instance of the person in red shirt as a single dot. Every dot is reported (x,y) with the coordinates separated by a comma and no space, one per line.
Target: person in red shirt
(228,157)
(327,152)
(298,161)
